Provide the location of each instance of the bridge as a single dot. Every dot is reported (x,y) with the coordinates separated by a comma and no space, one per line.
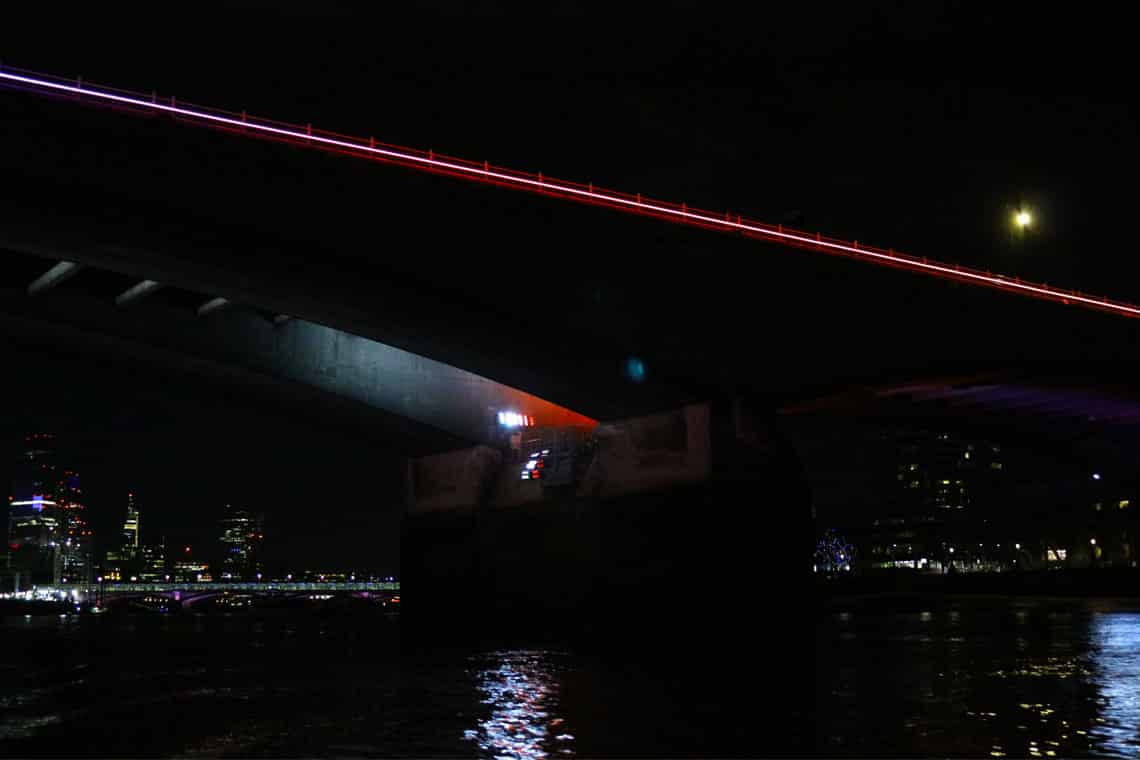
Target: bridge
(416,309)
(429,161)
(191,593)
(231,587)
(433,347)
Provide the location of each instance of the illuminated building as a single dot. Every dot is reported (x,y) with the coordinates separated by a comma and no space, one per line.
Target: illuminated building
(241,544)
(152,563)
(131,528)
(187,569)
(940,473)
(945,492)
(123,562)
(911,495)
(34,530)
(78,559)
(936,501)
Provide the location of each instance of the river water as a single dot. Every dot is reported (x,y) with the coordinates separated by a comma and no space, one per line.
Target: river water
(980,677)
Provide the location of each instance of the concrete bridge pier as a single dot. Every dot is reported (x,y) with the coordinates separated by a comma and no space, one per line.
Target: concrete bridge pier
(687,534)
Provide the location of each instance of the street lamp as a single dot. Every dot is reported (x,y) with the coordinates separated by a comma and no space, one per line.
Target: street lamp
(1023,218)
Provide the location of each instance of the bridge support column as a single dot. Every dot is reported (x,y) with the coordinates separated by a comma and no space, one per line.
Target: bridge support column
(685,549)
(682,522)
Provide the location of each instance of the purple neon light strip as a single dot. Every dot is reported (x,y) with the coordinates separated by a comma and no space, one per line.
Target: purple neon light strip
(595,196)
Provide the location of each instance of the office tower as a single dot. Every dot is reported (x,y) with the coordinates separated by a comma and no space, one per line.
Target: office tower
(241,544)
(34,530)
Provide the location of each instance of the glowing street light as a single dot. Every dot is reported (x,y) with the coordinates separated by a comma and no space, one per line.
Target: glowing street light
(1023,219)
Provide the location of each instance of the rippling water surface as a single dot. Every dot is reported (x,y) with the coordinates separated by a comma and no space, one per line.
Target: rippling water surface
(975,678)
(993,678)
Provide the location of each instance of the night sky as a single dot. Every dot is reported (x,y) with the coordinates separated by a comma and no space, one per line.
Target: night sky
(918,126)
(331,499)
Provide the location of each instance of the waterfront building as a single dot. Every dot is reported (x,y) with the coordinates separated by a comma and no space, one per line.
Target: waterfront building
(152,563)
(34,533)
(77,563)
(124,562)
(131,528)
(241,544)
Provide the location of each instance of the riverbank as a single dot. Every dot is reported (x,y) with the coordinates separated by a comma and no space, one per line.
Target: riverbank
(1107,583)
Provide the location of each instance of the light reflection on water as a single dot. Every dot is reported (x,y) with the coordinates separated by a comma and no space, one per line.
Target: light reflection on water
(981,678)
(936,677)
(521,688)
(1116,640)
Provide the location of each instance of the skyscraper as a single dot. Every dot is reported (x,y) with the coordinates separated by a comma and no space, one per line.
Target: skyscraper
(34,531)
(152,562)
(77,562)
(241,544)
(131,527)
(123,562)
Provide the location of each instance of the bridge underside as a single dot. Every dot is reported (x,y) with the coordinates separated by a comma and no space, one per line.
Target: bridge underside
(104,314)
(540,296)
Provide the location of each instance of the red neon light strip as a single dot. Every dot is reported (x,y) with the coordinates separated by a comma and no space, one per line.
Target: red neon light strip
(431,161)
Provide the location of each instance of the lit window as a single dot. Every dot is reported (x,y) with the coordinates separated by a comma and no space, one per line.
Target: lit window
(995,465)
(1124,503)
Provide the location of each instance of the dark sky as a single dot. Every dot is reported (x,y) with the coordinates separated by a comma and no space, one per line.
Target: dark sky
(331,498)
(918,126)
(911,125)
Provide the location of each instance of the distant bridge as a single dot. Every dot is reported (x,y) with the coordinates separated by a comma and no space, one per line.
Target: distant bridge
(222,587)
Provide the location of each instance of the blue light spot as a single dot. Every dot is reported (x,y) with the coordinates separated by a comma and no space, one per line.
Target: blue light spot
(635,369)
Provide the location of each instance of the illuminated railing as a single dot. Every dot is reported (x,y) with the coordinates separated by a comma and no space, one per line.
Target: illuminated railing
(431,161)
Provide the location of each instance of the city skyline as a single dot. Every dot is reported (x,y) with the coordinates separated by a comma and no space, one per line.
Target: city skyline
(656,480)
(109,486)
